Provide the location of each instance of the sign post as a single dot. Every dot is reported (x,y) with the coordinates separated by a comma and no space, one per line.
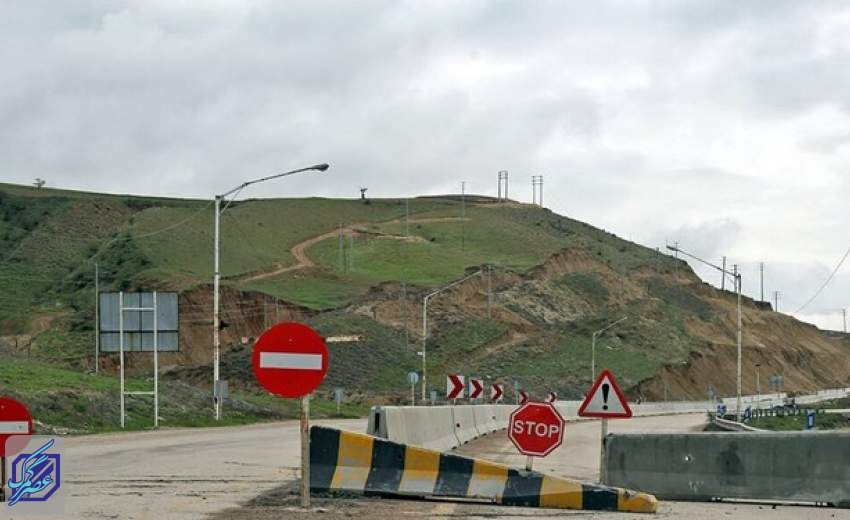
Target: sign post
(413,378)
(15,419)
(291,360)
(606,401)
(536,429)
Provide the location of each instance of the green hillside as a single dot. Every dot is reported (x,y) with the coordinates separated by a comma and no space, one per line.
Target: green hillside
(554,282)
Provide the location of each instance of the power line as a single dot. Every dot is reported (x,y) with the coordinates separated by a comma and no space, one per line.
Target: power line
(829,279)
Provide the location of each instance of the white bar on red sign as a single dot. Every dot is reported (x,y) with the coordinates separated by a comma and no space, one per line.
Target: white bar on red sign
(290,361)
(7,427)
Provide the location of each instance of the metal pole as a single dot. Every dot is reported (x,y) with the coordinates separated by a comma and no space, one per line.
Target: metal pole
(541,191)
(761,273)
(490,292)
(424,345)
(216,310)
(351,251)
(738,283)
(462,215)
(155,365)
(844,312)
(341,250)
(604,431)
(593,359)
(96,317)
(758,387)
(412,394)
(305,451)
(425,323)
(723,276)
(121,348)
(529,462)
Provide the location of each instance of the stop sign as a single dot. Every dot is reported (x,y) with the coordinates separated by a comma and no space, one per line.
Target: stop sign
(15,419)
(536,429)
(290,360)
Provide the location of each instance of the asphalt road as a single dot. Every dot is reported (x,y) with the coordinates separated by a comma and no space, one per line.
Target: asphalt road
(181,473)
(249,472)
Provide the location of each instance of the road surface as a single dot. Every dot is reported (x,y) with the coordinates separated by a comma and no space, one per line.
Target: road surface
(249,472)
(577,458)
(181,473)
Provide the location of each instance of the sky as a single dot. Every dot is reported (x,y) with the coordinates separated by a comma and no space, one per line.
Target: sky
(721,125)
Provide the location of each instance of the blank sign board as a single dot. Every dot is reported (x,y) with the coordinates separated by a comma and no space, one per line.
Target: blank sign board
(138,324)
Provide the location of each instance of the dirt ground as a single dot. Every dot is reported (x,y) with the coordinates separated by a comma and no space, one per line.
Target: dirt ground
(283,503)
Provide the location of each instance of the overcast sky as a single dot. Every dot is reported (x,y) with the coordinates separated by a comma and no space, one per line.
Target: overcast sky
(724,126)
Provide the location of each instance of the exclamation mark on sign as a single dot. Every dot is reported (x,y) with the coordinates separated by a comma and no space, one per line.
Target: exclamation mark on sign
(605,388)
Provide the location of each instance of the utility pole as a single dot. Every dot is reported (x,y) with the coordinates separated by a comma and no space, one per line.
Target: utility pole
(406,315)
(351,251)
(341,250)
(490,292)
(503,176)
(761,269)
(723,276)
(740,320)
(776,301)
(462,215)
(541,191)
(97,319)
(844,312)
(537,194)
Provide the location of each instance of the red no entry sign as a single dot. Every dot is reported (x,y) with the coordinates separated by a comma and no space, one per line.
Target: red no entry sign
(536,429)
(15,419)
(290,360)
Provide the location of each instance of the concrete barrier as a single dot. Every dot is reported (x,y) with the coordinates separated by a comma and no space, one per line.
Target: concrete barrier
(436,426)
(464,423)
(352,463)
(485,419)
(790,466)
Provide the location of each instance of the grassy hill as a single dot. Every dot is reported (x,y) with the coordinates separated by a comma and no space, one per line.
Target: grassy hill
(349,267)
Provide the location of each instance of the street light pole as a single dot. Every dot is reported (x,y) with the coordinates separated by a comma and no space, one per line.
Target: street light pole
(217,273)
(425,324)
(737,277)
(593,347)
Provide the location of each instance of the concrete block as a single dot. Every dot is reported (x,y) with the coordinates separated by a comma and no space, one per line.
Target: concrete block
(793,466)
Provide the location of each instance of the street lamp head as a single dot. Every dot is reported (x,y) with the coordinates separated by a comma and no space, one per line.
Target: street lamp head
(321,167)
(672,248)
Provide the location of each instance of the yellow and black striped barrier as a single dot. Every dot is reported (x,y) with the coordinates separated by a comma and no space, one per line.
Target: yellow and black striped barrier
(347,462)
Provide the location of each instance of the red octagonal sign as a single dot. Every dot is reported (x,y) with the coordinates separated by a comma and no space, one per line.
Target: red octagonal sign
(536,429)
(290,360)
(15,419)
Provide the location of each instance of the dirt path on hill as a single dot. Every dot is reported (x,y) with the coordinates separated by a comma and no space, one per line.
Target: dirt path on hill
(299,250)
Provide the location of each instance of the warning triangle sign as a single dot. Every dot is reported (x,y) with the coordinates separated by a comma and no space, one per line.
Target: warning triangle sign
(605,399)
